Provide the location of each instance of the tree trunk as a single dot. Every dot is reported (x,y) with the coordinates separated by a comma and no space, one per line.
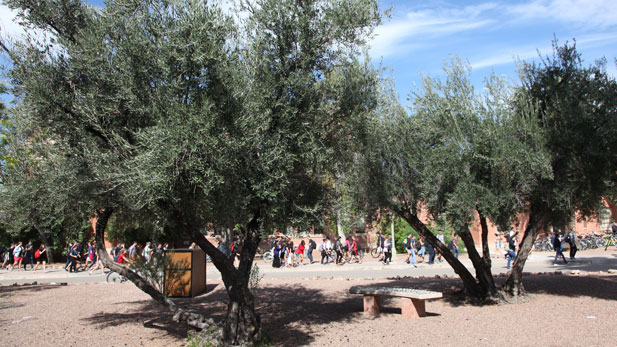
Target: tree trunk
(50,257)
(514,283)
(242,323)
(483,272)
(486,275)
(472,288)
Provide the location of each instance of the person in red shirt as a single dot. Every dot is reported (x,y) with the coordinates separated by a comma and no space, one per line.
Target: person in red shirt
(123,258)
(300,251)
(354,250)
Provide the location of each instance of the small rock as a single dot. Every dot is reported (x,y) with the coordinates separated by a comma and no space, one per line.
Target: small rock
(444,276)
(437,276)
(612,271)
(575,272)
(34,283)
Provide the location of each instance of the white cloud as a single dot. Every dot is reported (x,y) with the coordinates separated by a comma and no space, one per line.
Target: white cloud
(528,52)
(398,36)
(595,13)
(510,56)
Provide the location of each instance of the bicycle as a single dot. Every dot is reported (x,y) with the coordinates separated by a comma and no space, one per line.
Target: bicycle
(114,277)
(376,252)
(268,256)
(609,240)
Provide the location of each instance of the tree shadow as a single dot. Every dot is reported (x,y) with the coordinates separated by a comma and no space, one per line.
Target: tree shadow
(599,287)
(27,288)
(292,314)
(150,313)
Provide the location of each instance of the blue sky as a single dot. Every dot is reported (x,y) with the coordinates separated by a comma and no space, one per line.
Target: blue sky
(489,34)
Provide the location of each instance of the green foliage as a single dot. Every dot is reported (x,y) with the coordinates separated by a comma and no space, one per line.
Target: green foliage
(577,114)
(456,152)
(153,271)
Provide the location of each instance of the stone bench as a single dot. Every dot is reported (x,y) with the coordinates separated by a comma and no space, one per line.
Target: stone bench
(412,304)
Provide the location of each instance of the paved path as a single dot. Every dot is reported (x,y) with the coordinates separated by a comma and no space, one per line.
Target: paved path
(589,261)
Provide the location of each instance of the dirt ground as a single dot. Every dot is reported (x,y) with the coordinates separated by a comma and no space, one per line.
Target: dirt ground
(564,310)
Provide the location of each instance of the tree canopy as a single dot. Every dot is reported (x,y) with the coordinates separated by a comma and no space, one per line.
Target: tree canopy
(172,111)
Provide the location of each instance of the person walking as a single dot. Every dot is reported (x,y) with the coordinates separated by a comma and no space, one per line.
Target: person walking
(7,257)
(380,246)
(96,261)
(408,247)
(312,245)
(441,239)
(558,248)
(355,250)
(68,256)
(147,252)
(387,250)
(511,254)
(276,250)
(18,255)
(454,246)
(431,253)
(41,257)
(289,251)
(29,255)
(300,252)
(74,257)
(571,240)
(132,252)
(412,251)
(420,249)
(90,256)
(338,248)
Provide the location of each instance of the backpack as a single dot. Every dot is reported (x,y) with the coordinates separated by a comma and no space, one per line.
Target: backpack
(407,243)
(312,244)
(321,247)
(37,254)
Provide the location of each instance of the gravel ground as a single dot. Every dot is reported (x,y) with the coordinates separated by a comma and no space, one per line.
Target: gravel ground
(564,310)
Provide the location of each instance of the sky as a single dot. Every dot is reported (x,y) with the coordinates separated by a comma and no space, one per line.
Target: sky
(490,35)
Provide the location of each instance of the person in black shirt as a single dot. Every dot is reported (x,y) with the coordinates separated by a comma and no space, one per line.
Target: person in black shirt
(511,255)
(29,256)
(558,248)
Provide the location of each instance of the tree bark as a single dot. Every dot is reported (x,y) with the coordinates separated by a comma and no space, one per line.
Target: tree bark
(514,283)
(50,257)
(242,323)
(483,273)
(472,288)
(486,275)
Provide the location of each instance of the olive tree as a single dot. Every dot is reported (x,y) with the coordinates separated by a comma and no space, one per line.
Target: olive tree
(577,112)
(171,110)
(457,153)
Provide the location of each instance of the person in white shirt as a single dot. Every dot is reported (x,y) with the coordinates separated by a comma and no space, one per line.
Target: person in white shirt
(440,237)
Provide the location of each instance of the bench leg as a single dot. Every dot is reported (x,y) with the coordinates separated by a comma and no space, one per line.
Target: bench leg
(372,304)
(413,308)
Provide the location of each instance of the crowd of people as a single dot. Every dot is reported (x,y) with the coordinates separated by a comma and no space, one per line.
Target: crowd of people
(334,250)
(416,249)
(18,256)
